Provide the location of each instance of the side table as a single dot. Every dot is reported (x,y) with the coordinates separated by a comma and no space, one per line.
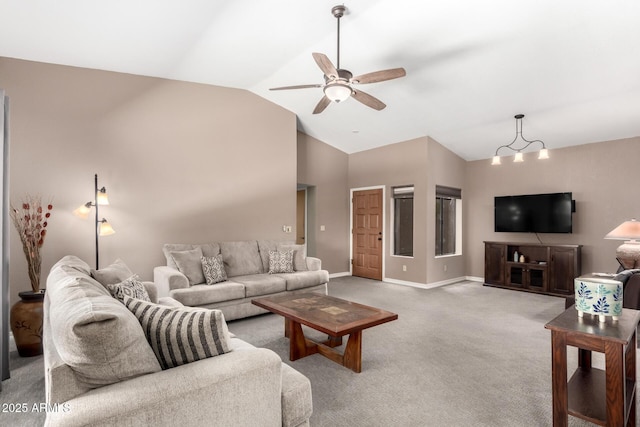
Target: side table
(606,398)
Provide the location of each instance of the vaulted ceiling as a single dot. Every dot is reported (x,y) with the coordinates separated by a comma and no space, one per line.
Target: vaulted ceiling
(571,66)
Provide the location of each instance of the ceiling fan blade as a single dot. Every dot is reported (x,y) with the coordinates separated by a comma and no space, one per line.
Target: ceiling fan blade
(324,102)
(368,100)
(325,65)
(380,76)
(295,87)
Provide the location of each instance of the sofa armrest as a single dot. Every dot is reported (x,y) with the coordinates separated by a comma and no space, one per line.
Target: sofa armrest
(167,279)
(237,388)
(314,264)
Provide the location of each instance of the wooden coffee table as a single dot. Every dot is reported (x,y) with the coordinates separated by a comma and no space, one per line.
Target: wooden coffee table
(333,316)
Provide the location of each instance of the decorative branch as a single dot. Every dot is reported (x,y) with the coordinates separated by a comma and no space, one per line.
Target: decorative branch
(31,223)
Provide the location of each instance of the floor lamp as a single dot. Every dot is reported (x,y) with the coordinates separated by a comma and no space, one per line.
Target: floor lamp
(102,227)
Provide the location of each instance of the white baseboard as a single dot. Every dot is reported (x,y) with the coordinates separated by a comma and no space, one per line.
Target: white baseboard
(344,273)
(420,285)
(426,285)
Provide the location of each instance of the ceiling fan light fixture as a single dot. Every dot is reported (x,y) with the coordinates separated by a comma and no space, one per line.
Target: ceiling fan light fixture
(338,92)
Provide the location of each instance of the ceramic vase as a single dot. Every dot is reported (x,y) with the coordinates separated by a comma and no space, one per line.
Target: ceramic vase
(598,296)
(26,323)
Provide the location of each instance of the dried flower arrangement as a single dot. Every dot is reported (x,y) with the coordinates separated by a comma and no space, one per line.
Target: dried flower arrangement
(31,222)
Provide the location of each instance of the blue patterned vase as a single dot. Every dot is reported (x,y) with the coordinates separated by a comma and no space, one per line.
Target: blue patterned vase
(598,295)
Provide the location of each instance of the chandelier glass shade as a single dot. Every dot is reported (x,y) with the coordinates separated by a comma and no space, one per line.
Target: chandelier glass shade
(519,148)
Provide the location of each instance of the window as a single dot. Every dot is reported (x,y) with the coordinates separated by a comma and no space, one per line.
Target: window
(403,221)
(448,220)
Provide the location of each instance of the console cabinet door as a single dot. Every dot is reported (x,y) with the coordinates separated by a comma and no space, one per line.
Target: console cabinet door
(563,268)
(494,256)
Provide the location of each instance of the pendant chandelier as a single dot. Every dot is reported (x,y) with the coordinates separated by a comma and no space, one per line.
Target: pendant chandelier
(542,154)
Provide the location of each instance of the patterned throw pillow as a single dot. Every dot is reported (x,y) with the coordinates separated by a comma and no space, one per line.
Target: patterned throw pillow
(280,262)
(213,269)
(180,335)
(131,287)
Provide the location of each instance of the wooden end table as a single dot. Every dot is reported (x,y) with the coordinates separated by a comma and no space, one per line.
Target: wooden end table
(606,398)
(333,316)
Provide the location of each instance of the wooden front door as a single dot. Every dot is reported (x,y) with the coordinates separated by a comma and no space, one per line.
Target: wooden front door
(367,234)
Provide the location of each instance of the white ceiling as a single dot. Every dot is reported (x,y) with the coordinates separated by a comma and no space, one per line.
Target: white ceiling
(571,66)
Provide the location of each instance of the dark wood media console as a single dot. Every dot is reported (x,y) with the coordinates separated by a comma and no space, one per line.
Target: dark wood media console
(547,269)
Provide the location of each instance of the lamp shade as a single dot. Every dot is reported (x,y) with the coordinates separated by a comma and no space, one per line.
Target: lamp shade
(337,92)
(543,154)
(628,253)
(105,229)
(83,210)
(496,160)
(628,230)
(101,197)
(518,157)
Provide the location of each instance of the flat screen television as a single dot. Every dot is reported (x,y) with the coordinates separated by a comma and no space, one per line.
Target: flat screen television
(534,213)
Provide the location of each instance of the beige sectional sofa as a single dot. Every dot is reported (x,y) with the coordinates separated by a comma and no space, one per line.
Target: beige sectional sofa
(246,264)
(100,369)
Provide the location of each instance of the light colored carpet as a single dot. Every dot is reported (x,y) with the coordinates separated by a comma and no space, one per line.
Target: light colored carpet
(459,355)
(24,389)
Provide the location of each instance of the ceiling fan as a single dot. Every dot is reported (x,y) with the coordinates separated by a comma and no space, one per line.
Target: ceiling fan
(339,84)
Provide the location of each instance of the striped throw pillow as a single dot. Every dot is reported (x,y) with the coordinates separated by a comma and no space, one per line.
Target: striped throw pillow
(180,335)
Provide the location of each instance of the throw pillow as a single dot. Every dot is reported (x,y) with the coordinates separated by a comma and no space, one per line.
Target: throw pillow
(299,256)
(131,287)
(115,273)
(280,262)
(213,268)
(180,335)
(189,263)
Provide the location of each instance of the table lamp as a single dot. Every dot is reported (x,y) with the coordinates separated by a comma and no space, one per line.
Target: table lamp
(628,253)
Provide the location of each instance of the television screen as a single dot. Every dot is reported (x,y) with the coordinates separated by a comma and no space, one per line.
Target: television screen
(534,213)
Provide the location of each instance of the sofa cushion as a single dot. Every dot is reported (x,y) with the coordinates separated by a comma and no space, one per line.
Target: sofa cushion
(190,264)
(305,279)
(180,335)
(299,256)
(213,269)
(241,258)
(261,284)
(208,250)
(114,273)
(131,287)
(95,334)
(280,262)
(204,294)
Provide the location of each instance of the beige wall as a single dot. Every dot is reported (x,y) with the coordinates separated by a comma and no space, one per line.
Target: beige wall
(447,169)
(323,169)
(424,163)
(182,162)
(186,162)
(397,165)
(603,177)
